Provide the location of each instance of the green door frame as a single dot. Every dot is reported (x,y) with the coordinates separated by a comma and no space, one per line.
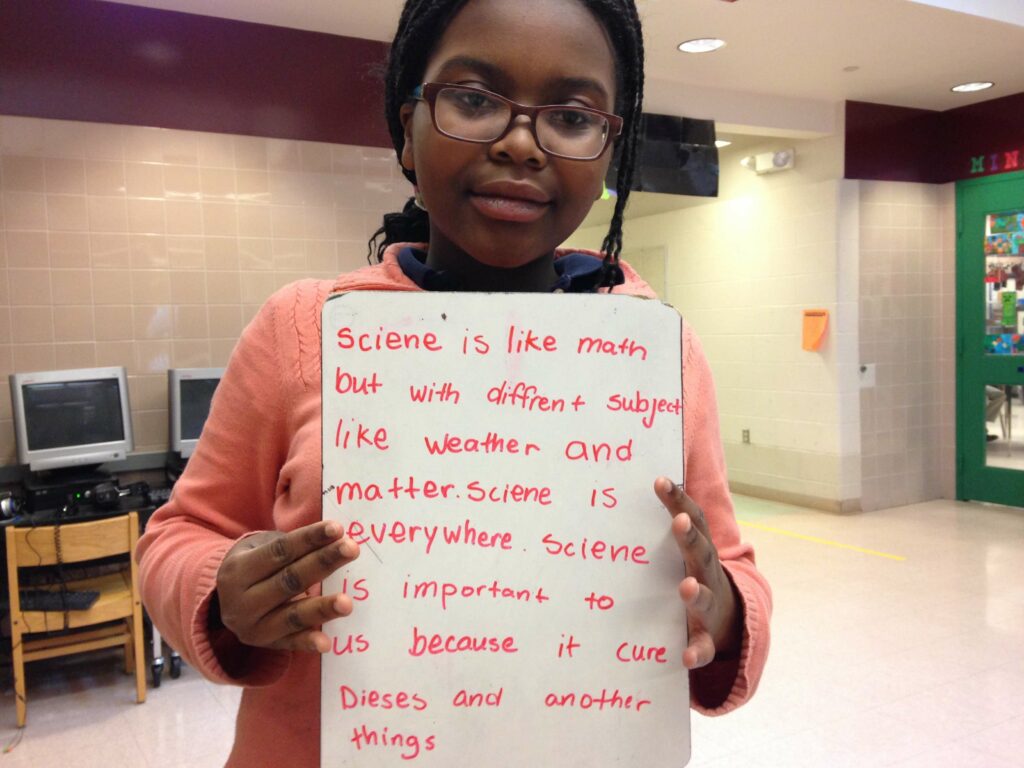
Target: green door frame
(975,198)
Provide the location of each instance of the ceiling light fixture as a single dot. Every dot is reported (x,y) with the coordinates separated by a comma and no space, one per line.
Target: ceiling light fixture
(701,45)
(722,143)
(972,87)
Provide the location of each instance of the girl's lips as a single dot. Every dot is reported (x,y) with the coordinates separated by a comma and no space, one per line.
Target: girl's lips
(508,208)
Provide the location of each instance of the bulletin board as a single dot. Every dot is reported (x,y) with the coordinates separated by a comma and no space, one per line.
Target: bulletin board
(515,599)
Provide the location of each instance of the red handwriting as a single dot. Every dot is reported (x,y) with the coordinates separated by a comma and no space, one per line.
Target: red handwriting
(475,491)
(398,532)
(608,499)
(352,644)
(600,702)
(359,591)
(520,341)
(384,340)
(630,652)
(466,699)
(492,442)
(373,699)
(567,647)
(510,492)
(410,743)
(627,347)
(343,437)
(578,450)
(596,549)
(354,491)
(348,383)
(480,345)
(445,590)
(435,645)
(649,406)
(601,602)
(428,393)
(525,397)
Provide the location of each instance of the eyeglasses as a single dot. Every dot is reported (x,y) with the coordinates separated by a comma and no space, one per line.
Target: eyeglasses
(482,117)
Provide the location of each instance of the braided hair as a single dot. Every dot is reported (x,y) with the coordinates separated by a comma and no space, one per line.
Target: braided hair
(423,21)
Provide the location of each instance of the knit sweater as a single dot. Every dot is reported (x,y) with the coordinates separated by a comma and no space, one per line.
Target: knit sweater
(258,467)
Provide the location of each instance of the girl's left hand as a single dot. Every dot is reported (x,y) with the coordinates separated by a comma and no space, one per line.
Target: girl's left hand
(713,618)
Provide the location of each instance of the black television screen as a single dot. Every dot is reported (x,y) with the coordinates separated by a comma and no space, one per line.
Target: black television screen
(677,156)
(196,395)
(69,413)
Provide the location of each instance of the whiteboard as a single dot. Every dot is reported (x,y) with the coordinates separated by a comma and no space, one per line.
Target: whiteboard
(515,599)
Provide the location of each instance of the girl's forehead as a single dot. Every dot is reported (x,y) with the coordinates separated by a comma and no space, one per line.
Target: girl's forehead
(527,41)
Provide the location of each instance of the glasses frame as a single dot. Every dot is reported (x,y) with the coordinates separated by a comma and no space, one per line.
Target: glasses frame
(428,92)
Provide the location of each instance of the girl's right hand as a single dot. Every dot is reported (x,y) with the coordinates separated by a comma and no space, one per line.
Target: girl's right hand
(263,583)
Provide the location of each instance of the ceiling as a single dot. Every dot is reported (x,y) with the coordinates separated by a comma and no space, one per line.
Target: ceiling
(783,70)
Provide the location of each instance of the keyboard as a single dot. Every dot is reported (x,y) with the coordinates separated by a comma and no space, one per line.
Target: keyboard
(55,600)
(158,496)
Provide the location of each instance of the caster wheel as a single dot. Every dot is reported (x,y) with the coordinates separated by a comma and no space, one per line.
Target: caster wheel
(157,673)
(175,667)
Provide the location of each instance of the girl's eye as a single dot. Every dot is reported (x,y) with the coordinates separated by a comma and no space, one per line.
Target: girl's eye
(472,102)
(572,119)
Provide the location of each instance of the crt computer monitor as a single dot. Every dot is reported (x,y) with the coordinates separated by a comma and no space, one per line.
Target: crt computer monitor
(190,392)
(71,418)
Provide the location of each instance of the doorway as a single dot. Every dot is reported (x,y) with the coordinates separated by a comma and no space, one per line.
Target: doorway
(990,339)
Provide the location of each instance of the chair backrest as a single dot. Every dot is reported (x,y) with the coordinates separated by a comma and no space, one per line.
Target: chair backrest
(77,542)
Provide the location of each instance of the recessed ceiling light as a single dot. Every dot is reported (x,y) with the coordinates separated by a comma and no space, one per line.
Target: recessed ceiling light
(701,45)
(722,143)
(971,87)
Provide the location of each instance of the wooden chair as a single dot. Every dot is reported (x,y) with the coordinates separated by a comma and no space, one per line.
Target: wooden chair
(118,609)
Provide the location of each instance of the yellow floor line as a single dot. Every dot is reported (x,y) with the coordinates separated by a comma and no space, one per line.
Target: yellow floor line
(816,540)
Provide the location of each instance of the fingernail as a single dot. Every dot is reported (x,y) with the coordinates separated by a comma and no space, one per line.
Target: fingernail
(339,604)
(332,529)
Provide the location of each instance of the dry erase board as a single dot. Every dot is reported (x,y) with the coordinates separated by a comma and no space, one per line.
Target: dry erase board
(516,595)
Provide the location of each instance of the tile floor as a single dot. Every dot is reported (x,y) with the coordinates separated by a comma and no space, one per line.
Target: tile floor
(875,661)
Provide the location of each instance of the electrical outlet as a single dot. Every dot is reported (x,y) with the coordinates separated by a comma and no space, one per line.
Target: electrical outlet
(746,436)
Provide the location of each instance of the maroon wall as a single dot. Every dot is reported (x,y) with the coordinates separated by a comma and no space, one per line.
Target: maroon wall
(988,135)
(106,62)
(900,144)
(892,143)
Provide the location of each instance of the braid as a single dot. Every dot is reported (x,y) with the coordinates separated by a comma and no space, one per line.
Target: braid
(421,25)
(627,38)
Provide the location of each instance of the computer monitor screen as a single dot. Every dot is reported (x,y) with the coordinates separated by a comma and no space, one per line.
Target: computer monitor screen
(71,418)
(190,393)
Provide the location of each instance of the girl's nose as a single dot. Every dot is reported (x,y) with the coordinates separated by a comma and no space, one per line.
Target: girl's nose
(519,145)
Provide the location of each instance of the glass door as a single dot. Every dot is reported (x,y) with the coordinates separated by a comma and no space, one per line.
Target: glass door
(990,339)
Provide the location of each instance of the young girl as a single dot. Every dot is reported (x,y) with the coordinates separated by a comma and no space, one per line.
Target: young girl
(505,116)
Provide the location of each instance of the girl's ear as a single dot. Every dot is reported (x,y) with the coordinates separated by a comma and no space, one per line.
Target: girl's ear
(405,115)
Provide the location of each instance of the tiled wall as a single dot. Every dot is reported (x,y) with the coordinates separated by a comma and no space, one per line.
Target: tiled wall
(741,270)
(907,328)
(151,248)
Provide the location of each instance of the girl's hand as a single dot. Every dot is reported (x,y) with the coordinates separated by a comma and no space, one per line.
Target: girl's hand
(715,625)
(263,580)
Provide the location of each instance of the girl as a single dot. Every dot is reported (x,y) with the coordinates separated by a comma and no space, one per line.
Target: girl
(504,115)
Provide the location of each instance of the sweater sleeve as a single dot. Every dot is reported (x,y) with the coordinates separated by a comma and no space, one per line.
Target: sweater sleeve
(726,683)
(226,492)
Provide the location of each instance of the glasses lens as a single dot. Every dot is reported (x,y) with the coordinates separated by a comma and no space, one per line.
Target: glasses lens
(465,113)
(572,132)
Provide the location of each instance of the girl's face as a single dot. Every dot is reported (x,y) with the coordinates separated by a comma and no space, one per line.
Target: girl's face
(507,203)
